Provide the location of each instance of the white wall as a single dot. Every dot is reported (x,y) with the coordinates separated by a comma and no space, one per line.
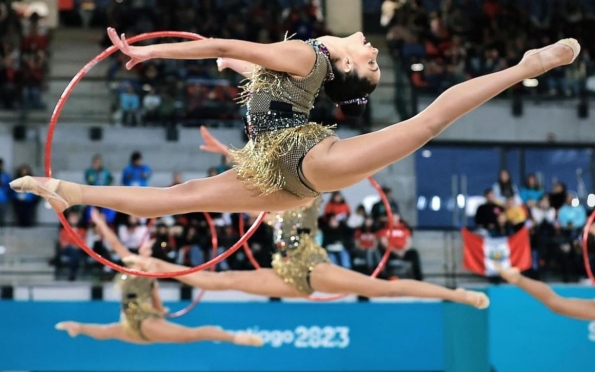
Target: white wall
(344,17)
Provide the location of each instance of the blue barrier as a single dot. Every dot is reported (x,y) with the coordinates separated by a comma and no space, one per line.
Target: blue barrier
(526,337)
(300,337)
(517,334)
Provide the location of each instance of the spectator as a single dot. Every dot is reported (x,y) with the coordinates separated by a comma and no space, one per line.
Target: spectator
(176,179)
(334,240)
(5,193)
(224,165)
(130,105)
(543,213)
(25,204)
(503,227)
(86,11)
(366,246)
(486,217)
(356,220)
(136,173)
(378,212)
(69,250)
(531,192)
(399,240)
(97,175)
(151,107)
(558,195)
(515,214)
(132,234)
(572,218)
(505,188)
(337,207)
(164,246)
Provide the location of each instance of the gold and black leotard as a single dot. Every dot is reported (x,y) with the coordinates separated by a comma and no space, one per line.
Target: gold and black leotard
(277,125)
(137,303)
(298,253)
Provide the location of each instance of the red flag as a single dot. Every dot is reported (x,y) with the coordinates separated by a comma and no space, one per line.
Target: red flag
(481,254)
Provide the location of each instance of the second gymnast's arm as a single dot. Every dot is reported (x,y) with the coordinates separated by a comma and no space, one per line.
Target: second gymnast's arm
(111,238)
(570,307)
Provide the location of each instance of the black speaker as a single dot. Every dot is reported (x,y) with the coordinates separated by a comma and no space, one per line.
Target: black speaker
(6,292)
(186,293)
(19,132)
(95,133)
(517,106)
(172,134)
(97,293)
(583,109)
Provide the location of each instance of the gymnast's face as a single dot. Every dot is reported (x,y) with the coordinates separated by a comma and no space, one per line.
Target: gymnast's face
(361,57)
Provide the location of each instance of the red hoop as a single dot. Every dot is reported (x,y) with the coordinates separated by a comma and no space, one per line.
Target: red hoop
(215,244)
(48,165)
(378,269)
(585,247)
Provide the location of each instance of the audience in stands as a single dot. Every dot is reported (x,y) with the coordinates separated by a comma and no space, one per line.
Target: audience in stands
(136,173)
(531,192)
(69,252)
(441,43)
(399,238)
(24,52)
(24,204)
(97,174)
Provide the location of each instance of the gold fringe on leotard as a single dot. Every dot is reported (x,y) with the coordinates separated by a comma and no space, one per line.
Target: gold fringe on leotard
(262,162)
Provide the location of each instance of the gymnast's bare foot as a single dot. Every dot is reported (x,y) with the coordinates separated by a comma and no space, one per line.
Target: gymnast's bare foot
(539,61)
(476,299)
(73,328)
(247,339)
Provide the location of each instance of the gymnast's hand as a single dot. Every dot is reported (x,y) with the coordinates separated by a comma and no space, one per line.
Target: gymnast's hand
(136,54)
(212,144)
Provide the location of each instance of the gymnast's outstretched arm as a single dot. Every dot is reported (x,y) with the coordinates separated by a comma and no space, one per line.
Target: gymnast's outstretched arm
(108,234)
(570,307)
(293,57)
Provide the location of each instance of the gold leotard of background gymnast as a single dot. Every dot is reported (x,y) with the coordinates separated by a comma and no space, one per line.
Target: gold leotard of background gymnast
(142,313)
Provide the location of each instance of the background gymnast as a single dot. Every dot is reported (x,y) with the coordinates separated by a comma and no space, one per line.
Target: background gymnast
(142,316)
(288,161)
(571,307)
(301,266)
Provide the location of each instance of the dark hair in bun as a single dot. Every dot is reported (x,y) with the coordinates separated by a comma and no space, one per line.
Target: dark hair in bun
(349,91)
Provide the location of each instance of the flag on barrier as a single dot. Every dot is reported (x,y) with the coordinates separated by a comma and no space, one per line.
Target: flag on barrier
(480,254)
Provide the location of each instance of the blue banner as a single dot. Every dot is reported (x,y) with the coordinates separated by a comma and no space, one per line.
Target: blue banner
(525,336)
(299,337)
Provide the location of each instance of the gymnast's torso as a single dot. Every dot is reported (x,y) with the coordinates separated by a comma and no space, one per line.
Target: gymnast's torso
(278,128)
(297,251)
(137,302)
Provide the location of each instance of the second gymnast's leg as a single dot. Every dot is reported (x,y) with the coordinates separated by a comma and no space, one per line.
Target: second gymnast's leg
(334,279)
(113,331)
(263,282)
(336,164)
(571,307)
(160,330)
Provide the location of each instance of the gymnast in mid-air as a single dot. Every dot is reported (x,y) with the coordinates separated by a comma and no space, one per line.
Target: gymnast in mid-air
(301,266)
(142,313)
(288,161)
(571,307)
